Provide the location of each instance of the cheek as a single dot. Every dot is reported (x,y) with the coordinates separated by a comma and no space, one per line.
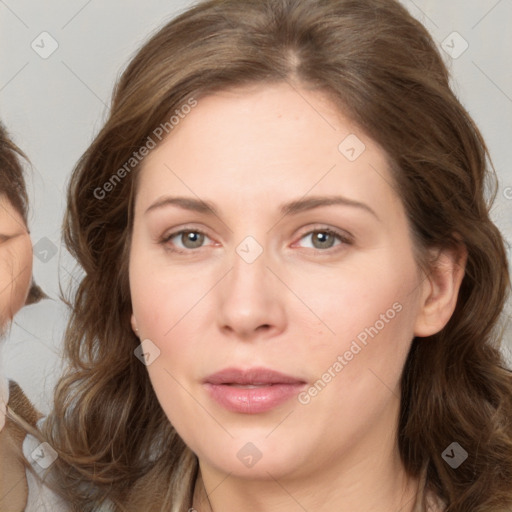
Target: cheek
(169,314)
(164,299)
(169,306)
(357,370)
(156,303)
(370,308)
(364,297)
(15,276)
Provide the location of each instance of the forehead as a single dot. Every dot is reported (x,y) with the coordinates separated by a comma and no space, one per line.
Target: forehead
(269,140)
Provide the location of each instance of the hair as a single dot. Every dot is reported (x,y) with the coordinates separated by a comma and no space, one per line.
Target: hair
(381,68)
(12,186)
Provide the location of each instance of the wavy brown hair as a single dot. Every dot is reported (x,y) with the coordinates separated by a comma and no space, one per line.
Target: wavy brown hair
(380,67)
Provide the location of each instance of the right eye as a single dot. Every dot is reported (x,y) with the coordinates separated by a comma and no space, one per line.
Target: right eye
(184,240)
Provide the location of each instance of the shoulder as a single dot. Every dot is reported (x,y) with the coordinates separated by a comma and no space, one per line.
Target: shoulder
(27,461)
(21,484)
(13,484)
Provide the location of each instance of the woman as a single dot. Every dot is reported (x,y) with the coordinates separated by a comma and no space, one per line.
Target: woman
(16,289)
(292,284)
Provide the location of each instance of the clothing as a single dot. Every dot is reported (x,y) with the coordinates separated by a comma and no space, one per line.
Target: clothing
(4,398)
(13,484)
(20,489)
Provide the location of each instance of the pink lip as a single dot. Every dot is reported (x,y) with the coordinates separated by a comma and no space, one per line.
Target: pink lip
(274,389)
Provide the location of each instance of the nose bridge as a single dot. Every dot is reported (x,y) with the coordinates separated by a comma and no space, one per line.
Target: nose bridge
(249,295)
(248,276)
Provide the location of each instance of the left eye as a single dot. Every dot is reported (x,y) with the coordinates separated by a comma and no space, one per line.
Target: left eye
(323,238)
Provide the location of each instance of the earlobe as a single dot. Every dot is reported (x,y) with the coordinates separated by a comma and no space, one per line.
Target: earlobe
(133,321)
(441,290)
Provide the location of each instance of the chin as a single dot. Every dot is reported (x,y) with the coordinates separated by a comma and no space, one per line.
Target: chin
(258,458)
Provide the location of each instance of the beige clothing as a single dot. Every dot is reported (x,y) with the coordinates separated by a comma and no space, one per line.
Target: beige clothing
(13,483)
(20,489)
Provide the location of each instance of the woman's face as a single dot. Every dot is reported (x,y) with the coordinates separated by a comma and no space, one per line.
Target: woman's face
(301,264)
(15,261)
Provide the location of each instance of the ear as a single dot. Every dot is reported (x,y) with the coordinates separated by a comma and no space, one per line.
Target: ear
(440,290)
(133,321)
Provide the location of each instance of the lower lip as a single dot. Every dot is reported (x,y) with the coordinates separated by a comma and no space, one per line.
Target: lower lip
(252,400)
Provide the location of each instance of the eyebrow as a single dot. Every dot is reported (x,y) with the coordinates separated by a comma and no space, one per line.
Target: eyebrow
(310,203)
(187,203)
(291,208)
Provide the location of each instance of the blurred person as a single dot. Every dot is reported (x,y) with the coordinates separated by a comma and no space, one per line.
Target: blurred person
(17,288)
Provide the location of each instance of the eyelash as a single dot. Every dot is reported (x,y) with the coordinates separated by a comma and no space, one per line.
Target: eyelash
(345,239)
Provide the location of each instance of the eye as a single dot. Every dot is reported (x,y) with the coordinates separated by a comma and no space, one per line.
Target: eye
(324,238)
(5,238)
(185,239)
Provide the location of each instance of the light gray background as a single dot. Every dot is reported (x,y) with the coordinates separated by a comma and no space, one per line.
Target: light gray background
(54,106)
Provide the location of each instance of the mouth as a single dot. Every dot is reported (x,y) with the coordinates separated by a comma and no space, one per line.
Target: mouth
(251,377)
(252,391)
(247,386)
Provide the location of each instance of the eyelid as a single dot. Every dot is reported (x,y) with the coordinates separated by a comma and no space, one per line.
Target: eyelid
(172,234)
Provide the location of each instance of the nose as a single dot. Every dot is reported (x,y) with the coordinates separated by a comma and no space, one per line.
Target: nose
(251,301)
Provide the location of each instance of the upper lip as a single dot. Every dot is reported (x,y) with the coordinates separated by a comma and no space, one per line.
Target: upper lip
(251,376)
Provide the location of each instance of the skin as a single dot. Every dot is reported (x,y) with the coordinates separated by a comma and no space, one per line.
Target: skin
(295,309)
(15,269)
